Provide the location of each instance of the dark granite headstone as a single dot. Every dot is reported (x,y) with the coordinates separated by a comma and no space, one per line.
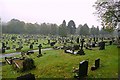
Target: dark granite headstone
(81,52)
(28,64)
(102,45)
(3,45)
(3,50)
(97,64)
(31,46)
(52,43)
(48,41)
(39,50)
(83,70)
(110,42)
(77,40)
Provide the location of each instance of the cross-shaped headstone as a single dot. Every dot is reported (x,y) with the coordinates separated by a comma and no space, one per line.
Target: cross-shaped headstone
(39,50)
(82,42)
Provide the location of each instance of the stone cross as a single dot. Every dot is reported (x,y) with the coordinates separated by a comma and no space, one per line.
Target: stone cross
(39,48)
(82,42)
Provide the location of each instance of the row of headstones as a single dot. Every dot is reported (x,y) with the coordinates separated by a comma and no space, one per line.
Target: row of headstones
(82,72)
(81,51)
(5,47)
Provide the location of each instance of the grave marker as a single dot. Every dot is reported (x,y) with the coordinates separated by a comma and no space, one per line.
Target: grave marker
(97,64)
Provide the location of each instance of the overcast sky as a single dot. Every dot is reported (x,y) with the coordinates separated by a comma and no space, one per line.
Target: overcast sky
(49,11)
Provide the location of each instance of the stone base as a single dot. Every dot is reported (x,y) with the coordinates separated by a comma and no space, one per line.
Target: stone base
(81,52)
(39,55)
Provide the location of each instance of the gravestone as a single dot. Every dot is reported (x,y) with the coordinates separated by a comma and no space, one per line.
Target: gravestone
(83,70)
(102,45)
(110,42)
(6,43)
(77,40)
(48,41)
(3,50)
(7,48)
(31,46)
(94,39)
(93,44)
(97,64)
(52,43)
(39,50)
(26,77)
(28,64)
(3,45)
(81,52)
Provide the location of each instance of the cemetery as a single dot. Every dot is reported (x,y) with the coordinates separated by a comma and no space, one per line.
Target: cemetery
(62,60)
(45,47)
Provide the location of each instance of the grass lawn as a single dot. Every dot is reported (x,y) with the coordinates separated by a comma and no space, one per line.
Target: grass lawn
(57,64)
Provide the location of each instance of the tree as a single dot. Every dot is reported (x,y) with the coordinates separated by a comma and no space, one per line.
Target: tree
(78,29)
(15,26)
(84,30)
(63,29)
(53,29)
(109,13)
(71,27)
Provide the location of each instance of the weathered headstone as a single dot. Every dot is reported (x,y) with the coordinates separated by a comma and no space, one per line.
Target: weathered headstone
(3,45)
(110,42)
(102,45)
(77,40)
(48,41)
(97,64)
(52,43)
(31,46)
(81,52)
(28,64)
(39,50)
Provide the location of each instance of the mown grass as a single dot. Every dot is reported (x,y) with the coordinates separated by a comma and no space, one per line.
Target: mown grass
(57,64)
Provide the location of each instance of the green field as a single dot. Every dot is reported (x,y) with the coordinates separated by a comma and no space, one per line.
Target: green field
(57,64)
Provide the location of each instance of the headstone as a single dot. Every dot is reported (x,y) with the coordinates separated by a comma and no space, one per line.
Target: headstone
(26,77)
(102,45)
(77,40)
(3,45)
(52,43)
(81,52)
(83,70)
(110,42)
(39,50)
(93,44)
(48,41)
(28,64)
(31,46)
(97,64)
(3,50)
(7,48)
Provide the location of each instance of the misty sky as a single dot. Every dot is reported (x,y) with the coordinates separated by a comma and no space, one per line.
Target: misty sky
(49,11)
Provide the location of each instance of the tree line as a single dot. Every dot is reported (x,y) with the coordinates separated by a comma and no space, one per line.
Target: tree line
(16,26)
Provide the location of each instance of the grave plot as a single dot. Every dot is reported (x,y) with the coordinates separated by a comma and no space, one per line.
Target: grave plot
(21,64)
